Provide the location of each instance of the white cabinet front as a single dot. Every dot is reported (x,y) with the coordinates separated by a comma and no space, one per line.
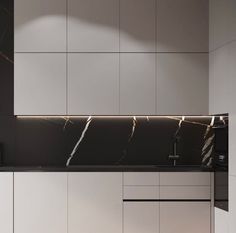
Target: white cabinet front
(93,84)
(40,84)
(137,84)
(93,25)
(141,217)
(40,26)
(182,83)
(40,203)
(185,217)
(137,25)
(6,202)
(95,202)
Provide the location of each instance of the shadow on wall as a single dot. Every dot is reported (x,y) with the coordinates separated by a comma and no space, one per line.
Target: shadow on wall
(181,26)
(102,15)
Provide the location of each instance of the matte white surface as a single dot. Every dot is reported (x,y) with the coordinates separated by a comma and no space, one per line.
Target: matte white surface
(141,192)
(220,81)
(232,203)
(95,202)
(40,26)
(93,25)
(137,84)
(6,202)
(137,25)
(185,192)
(40,202)
(141,178)
(185,178)
(185,217)
(222,22)
(222,92)
(40,84)
(182,26)
(141,217)
(182,84)
(221,221)
(232,144)
(93,84)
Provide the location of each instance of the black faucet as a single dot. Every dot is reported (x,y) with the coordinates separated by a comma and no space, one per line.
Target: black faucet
(174,156)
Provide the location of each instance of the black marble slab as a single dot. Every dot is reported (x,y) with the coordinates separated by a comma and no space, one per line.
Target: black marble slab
(106,141)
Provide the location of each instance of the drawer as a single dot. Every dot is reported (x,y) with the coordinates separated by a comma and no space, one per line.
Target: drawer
(141,178)
(185,192)
(185,178)
(141,192)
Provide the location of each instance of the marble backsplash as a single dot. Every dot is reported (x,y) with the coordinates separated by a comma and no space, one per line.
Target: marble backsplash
(66,141)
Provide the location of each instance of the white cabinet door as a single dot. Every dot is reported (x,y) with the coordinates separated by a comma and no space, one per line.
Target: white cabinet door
(40,84)
(95,202)
(93,84)
(40,202)
(6,202)
(93,25)
(40,26)
(185,217)
(137,84)
(182,26)
(182,84)
(141,217)
(137,25)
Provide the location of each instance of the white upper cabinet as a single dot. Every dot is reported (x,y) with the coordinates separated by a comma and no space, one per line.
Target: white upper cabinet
(93,84)
(112,57)
(40,26)
(93,25)
(95,202)
(137,83)
(182,26)
(6,202)
(40,84)
(222,22)
(182,84)
(137,25)
(40,202)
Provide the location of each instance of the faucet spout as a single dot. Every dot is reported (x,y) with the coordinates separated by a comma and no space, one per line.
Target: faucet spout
(174,156)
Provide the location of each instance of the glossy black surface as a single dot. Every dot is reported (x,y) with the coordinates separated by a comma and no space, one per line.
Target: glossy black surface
(108,169)
(107,141)
(221,176)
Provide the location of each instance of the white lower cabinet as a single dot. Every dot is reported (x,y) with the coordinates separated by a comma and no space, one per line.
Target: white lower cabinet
(185,217)
(99,202)
(141,217)
(6,202)
(95,202)
(40,202)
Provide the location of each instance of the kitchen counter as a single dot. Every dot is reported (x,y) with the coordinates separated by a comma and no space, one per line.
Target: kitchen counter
(106,168)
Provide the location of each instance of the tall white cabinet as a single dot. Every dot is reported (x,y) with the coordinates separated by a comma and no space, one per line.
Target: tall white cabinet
(6,202)
(111,57)
(40,202)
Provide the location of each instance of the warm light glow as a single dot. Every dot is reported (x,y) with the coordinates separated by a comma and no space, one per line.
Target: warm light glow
(117,116)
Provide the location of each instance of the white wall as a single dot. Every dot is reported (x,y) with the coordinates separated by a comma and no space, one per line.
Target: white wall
(222,86)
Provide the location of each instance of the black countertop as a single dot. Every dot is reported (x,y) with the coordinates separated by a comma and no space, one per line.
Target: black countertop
(106,168)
